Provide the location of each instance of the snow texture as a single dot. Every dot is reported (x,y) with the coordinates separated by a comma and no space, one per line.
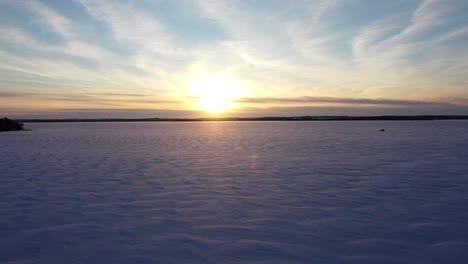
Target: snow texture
(235,192)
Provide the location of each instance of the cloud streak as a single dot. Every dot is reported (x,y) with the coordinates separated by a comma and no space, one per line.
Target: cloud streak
(346,101)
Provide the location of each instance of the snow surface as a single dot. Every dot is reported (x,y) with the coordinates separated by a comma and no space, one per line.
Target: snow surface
(235,192)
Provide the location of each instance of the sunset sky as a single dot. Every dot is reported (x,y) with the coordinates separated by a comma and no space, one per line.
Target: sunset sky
(189,58)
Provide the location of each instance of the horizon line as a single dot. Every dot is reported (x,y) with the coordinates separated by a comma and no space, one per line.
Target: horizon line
(262,118)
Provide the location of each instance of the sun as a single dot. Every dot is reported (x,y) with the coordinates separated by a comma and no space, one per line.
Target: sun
(214,103)
(216,94)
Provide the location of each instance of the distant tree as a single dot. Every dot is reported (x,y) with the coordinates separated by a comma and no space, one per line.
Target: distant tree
(10,125)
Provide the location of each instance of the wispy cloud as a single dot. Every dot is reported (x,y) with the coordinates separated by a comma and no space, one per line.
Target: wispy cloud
(344,101)
(128,23)
(47,18)
(95,98)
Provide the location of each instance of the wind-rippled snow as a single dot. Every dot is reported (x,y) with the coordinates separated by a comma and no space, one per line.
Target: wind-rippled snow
(235,192)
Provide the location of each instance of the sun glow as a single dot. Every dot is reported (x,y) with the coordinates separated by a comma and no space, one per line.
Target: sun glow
(216,94)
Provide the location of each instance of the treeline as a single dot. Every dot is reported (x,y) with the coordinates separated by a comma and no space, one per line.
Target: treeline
(274,118)
(10,125)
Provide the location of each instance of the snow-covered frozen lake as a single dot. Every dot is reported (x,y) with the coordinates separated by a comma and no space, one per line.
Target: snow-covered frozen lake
(235,192)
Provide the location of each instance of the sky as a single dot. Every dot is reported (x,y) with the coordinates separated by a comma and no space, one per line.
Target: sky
(200,58)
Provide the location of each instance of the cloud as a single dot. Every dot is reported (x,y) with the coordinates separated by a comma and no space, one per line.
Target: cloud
(92,98)
(8,94)
(128,23)
(48,19)
(346,101)
(116,113)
